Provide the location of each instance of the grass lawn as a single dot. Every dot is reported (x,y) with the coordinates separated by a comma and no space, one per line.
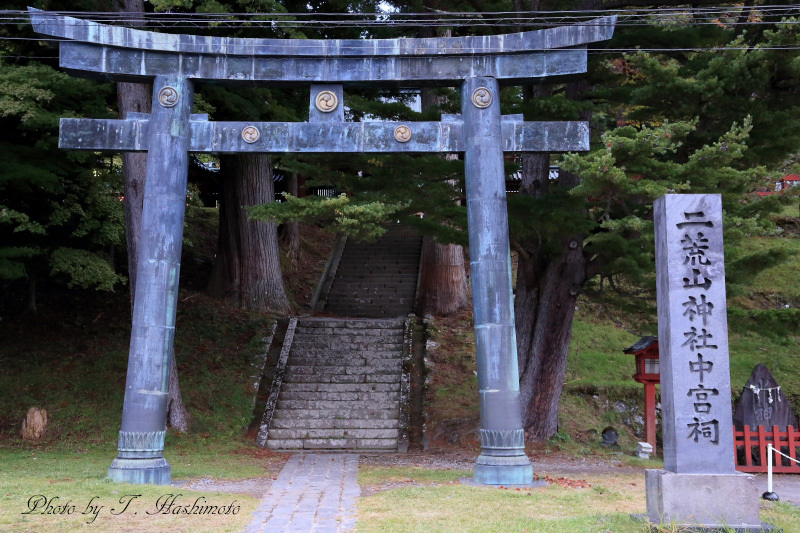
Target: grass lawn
(72,482)
(424,500)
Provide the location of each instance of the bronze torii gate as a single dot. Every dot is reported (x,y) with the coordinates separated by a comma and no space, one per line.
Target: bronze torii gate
(174,63)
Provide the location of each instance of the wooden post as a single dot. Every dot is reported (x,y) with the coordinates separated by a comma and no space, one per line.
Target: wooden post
(650,413)
(141,438)
(502,460)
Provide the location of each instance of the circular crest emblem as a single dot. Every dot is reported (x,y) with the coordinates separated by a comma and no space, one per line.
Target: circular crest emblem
(168,96)
(326,101)
(250,134)
(481,98)
(402,134)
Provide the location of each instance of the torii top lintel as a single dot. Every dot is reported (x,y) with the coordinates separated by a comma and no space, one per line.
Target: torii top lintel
(121,53)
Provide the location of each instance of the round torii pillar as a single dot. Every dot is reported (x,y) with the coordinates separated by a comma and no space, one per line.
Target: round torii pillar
(140,447)
(502,460)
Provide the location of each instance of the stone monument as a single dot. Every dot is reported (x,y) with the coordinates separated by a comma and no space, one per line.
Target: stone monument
(763,403)
(699,486)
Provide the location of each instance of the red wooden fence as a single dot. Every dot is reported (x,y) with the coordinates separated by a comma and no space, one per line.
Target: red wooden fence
(750,449)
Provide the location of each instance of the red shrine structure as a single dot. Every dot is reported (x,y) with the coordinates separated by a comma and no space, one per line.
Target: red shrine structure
(648,372)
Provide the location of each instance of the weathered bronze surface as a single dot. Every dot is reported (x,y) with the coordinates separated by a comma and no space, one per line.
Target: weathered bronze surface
(176,62)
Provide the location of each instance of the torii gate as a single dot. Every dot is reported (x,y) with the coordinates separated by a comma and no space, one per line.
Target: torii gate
(174,63)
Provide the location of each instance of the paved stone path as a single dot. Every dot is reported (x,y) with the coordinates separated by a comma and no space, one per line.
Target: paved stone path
(314,492)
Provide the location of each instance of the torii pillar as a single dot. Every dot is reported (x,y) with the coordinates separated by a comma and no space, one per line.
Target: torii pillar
(502,459)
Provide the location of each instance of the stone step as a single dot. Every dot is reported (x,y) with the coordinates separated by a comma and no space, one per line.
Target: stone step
(341,378)
(401,241)
(373,259)
(399,286)
(395,291)
(393,333)
(349,323)
(386,335)
(343,345)
(332,370)
(328,353)
(373,413)
(350,360)
(332,444)
(364,274)
(350,293)
(368,313)
(342,387)
(387,275)
(377,271)
(369,259)
(408,244)
(339,396)
(366,279)
(374,300)
(347,343)
(314,349)
(349,335)
(333,423)
(371,302)
(335,405)
(331,433)
(343,348)
(390,288)
(364,310)
(380,269)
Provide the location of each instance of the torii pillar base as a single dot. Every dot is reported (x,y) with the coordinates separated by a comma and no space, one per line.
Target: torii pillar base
(140,471)
(499,470)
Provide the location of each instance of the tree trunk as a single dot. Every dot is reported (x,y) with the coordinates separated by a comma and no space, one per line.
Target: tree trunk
(135,97)
(247,271)
(546,291)
(291,230)
(443,283)
(443,276)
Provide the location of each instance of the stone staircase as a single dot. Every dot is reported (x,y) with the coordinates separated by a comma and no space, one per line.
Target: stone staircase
(378,279)
(341,388)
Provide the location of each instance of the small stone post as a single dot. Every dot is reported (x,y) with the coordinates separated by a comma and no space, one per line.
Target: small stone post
(141,439)
(699,485)
(502,460)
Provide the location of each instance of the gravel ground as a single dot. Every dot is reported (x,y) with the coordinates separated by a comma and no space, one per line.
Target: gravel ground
(551,463)
(256,487)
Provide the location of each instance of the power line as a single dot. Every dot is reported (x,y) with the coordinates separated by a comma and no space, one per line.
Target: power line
(664,18)
(726,16)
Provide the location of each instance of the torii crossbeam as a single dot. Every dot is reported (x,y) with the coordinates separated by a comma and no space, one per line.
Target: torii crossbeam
(174,63)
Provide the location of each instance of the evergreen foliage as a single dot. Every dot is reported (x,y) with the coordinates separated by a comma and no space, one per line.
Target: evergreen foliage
(717,121)
(60,212)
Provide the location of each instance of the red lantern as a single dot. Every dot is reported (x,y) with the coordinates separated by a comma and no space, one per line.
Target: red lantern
(647,372)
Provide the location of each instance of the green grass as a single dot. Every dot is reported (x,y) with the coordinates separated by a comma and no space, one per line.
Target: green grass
(429,500)
(595,353)
(75,476)
(774,286)
(380,475)
(77,371)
